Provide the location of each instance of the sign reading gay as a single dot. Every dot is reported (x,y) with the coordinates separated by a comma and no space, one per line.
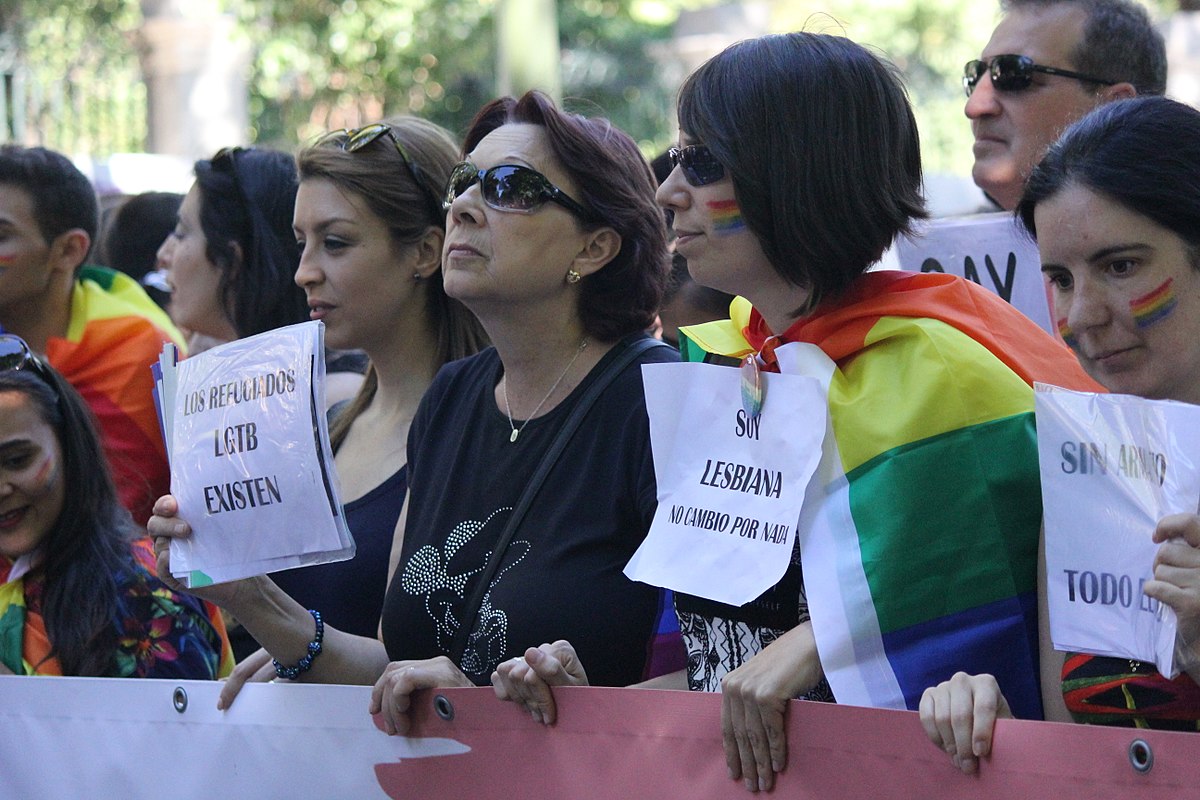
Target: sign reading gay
(989,249)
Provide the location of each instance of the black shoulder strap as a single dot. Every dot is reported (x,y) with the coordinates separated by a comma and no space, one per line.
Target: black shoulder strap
(614,368)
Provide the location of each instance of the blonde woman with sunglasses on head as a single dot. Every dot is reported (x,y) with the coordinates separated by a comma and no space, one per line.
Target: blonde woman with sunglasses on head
(369,225)
(553,240)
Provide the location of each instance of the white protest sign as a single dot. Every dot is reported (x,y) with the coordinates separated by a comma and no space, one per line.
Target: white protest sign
(250,463)
(1112,466)
(730,486)
(989,249)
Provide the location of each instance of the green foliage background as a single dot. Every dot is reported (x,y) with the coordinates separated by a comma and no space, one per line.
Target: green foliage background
(320,64)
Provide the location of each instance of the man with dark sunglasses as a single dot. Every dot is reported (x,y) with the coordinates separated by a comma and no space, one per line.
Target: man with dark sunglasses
(1047,64)
(96,326)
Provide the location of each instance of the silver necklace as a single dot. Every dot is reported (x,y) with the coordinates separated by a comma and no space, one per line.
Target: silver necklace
(508,409)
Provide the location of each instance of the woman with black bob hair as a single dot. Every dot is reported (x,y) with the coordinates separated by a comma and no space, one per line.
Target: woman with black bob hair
(798,163)
(1115,208)
(231,258)
(77,590)
(826,181)
(554,242)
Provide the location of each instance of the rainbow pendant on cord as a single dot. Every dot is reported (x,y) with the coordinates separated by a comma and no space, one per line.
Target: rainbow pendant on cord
(752,387)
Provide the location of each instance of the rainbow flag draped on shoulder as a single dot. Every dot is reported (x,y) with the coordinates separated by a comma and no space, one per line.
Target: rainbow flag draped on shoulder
(919,535)
(115,333)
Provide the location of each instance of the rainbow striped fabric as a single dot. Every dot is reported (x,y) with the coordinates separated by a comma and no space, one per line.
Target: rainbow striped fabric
(115,333)
(920,550)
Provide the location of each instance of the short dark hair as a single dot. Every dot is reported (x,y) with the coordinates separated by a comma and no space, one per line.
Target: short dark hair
(132,233)
(86,552)
(616,185)
(818,136)
(63,198)
(1143,153)
(248,197)
(1120,42)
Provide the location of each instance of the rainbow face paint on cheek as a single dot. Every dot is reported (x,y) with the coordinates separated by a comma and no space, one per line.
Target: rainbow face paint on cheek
(45,477)
(726,216)
(1068,337)
(1155,306)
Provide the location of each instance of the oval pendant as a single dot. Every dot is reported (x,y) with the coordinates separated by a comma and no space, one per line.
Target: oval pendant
(752,387)
(513,438)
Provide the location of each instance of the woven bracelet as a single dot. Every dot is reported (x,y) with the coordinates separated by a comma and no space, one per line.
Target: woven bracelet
(305,663)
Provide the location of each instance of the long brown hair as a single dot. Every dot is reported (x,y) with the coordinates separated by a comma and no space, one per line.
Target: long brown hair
(408,199)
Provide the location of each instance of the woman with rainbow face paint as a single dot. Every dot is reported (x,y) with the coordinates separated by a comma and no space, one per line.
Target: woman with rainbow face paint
(1115,208)
(78,594)
(798,164)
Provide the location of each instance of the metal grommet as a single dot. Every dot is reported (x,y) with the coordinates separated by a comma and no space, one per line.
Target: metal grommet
(1141,755)
(179,699)
(443,707)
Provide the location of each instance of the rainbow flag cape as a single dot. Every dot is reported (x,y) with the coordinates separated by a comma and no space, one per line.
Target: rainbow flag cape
(919,538)
(115,333)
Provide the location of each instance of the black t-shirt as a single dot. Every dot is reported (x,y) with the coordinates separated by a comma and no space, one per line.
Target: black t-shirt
(561,577)
(349,594)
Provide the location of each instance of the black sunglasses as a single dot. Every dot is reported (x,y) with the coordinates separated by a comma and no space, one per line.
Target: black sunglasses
(15,355)
(509,187)
(700,166)
(225,161)
(1013,73)
(354,140)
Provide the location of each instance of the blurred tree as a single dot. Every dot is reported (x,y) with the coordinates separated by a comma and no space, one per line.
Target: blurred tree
(70,75)
(320,64)
(324,64)
(929,40)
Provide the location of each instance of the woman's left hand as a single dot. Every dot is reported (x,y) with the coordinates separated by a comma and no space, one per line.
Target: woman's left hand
(1177,574)
(528,680)
(392,694)
(754,698)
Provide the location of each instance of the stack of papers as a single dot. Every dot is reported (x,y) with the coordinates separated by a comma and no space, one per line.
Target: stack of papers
(247,439)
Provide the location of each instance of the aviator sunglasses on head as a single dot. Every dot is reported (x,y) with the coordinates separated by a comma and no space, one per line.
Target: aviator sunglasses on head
(700,166)
(1013,73)
(354,140)
(15,355)
(509,187)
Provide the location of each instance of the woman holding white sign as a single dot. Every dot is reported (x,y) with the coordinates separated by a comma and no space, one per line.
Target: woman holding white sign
(530,476)
(1115,207)
(370,224)
(927,381)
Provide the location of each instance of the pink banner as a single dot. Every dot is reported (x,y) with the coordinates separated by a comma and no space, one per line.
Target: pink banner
(71,737)
(624,743)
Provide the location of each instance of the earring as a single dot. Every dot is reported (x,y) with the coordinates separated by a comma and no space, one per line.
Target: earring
(416,276)
(573,277)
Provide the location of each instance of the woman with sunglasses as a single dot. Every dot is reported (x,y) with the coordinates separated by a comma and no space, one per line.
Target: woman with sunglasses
(928,378)
(370,225)
(1115,207)
(555,243)
(78,595)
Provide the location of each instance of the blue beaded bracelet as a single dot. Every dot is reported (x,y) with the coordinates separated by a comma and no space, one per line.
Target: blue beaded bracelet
(314,650)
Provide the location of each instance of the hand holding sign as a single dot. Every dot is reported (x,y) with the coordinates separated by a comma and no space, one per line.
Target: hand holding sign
(1177,583)
(251,468)
(1112,467)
